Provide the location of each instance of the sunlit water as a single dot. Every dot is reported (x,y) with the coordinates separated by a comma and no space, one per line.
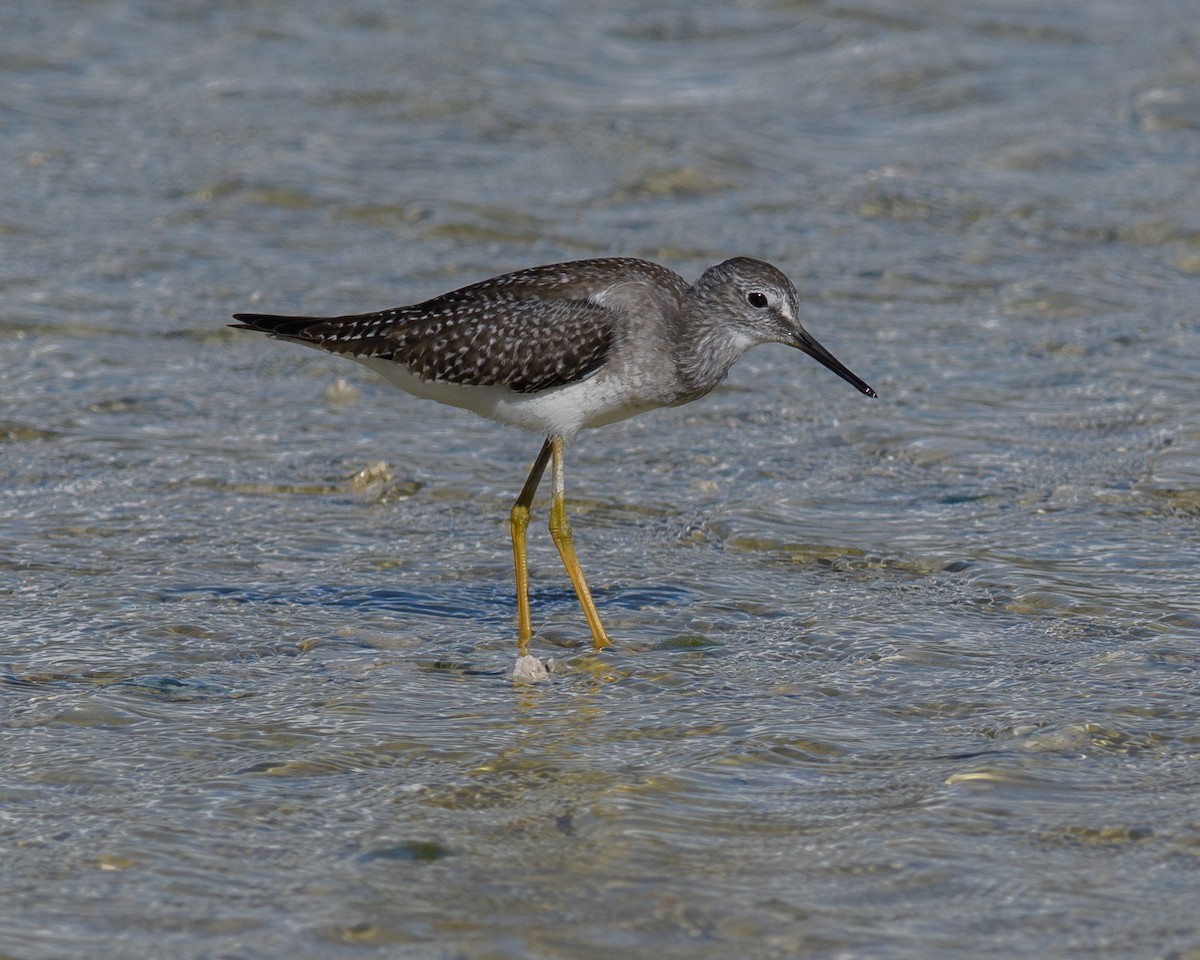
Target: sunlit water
(913,677)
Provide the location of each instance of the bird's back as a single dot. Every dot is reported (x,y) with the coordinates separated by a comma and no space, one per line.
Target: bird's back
(526,331)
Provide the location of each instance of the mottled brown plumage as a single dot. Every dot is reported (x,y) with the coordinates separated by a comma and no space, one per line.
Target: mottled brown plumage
(527,331)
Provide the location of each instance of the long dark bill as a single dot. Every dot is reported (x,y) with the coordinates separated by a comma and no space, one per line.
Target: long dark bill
(807,342)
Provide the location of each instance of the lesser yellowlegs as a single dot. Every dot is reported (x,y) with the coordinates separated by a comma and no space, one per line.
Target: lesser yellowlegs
(557,348)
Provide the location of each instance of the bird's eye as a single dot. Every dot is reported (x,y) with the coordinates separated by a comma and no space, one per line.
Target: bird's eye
(757,300)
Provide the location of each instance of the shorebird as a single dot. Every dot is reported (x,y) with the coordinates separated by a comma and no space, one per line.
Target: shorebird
(557,348)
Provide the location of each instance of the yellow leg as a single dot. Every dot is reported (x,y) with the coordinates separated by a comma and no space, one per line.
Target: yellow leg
(518,524)
(560,532)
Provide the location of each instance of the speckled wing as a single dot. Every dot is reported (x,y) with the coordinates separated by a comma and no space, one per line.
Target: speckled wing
(528,331)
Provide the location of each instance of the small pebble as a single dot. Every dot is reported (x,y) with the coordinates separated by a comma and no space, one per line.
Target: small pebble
(529,669)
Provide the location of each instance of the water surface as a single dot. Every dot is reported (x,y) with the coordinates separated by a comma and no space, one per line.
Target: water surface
(914,677)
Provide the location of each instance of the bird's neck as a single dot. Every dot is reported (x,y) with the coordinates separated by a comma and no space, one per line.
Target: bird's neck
(706,348)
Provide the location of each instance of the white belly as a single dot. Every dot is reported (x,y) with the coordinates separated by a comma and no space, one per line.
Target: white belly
(561,411)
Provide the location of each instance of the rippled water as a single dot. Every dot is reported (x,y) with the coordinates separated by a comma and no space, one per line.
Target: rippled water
(914,677)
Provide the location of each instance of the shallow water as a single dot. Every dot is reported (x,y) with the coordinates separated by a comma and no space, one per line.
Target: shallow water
(914,677)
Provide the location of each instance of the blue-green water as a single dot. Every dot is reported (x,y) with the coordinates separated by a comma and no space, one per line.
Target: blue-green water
(914,677)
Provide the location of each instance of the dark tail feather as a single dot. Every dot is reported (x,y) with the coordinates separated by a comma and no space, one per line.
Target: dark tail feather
(268,323)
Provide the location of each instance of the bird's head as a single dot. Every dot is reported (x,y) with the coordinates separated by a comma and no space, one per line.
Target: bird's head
(756,304)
